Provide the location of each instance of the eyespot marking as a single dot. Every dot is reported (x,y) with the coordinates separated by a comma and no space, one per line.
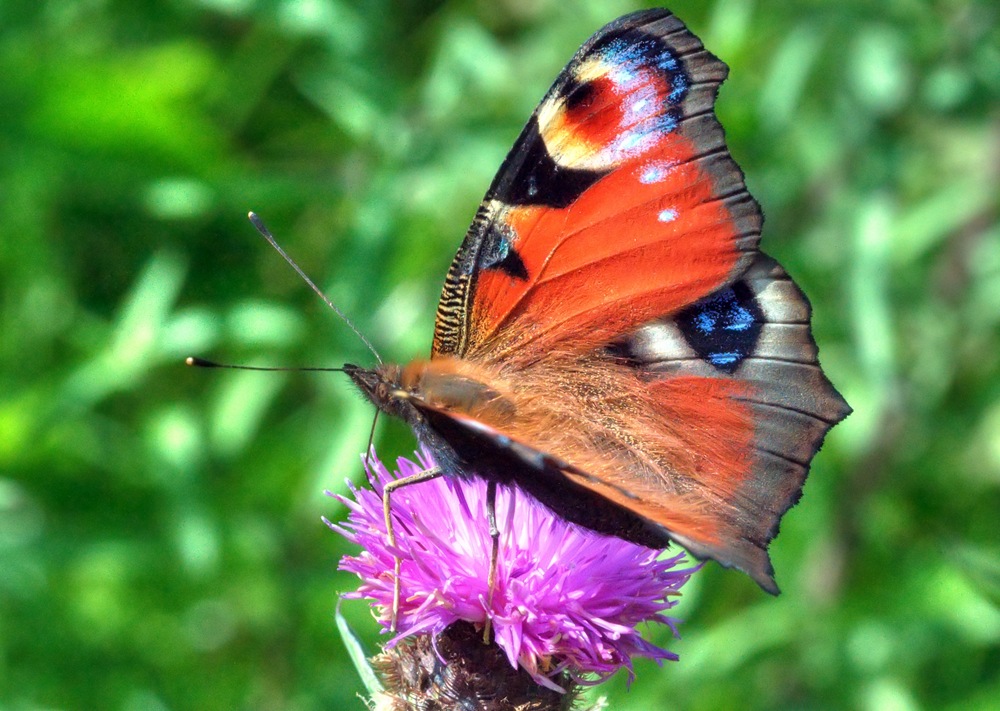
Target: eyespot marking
(723,329)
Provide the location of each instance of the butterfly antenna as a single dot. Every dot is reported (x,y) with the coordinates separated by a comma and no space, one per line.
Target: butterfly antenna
(266,234)
(196,362)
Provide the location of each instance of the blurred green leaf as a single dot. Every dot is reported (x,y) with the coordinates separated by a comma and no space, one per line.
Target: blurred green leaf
(358,657)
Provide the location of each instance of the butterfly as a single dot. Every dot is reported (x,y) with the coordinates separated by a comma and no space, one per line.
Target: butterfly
(609,337)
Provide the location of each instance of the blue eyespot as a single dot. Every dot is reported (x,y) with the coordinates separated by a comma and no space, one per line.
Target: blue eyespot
(724,328)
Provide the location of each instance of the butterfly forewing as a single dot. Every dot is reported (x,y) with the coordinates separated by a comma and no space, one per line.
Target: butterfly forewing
(617,204)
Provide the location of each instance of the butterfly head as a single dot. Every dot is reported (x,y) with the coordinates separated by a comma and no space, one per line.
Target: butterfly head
(382,386)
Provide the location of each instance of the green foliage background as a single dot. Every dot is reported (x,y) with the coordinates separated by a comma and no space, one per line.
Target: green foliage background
(160,535)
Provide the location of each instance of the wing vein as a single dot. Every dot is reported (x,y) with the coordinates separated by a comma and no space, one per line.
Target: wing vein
(789,408)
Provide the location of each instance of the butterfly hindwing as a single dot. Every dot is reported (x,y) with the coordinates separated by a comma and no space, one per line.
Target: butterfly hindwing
(575,494)
(754,336)
(618,203)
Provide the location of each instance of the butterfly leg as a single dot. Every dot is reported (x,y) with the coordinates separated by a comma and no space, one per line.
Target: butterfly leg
(369,453)
(426,475)
(491,580)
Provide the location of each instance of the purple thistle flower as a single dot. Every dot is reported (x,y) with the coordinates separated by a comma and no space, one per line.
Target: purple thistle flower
(567,600)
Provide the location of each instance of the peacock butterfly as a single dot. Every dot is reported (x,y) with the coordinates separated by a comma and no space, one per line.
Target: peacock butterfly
(609,338)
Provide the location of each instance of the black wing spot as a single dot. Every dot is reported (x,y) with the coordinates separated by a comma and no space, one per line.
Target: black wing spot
(723,328)
(530,176)
(577,94)
(498,253)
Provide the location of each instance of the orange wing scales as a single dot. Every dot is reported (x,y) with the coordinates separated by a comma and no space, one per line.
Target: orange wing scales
(628,252)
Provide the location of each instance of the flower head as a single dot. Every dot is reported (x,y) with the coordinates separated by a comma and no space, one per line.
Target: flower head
(566,599)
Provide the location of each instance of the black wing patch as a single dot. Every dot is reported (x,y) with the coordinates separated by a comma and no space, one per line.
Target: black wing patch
(497,252)
(723,329)
(531,176)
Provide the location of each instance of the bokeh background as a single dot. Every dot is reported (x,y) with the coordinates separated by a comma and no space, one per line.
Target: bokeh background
(160,536)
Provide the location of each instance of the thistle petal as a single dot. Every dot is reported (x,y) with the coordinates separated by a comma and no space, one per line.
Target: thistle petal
(566,599)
